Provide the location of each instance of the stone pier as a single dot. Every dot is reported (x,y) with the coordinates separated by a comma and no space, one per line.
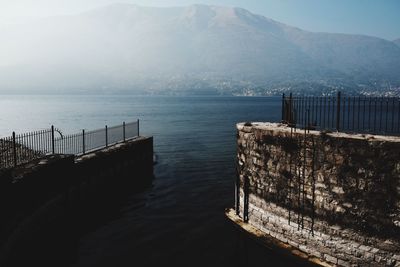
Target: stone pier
(334,197)
(62,191)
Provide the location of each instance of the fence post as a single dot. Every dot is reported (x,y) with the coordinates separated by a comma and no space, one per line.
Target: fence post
(123,130)
(138,128)
(106,136)
(52,140)
(83,142)
(338,112)
(14,149)
(290,109)
(283,107)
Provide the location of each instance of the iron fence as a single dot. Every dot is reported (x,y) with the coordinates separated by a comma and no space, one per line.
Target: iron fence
(18,149)
(356,114)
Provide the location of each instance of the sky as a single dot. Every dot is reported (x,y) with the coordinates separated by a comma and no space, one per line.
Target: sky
(380,18)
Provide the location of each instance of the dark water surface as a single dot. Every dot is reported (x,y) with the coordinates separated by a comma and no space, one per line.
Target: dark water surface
(179,221)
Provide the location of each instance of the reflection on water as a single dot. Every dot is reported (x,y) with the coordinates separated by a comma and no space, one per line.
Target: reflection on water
(180,219)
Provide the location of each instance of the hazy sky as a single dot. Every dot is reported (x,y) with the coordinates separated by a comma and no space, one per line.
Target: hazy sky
(371,17)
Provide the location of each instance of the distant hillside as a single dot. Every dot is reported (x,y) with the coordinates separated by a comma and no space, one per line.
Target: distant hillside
(397,41)
(197,49)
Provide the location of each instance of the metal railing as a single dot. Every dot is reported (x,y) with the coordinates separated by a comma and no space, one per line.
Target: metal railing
(22,148)
(355,114)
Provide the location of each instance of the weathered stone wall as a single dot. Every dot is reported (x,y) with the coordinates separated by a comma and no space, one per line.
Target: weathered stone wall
(65,189)
(332,195)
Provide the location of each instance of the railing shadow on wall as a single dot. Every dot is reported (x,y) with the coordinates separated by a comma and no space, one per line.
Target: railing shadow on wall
(22,148)
(341,113)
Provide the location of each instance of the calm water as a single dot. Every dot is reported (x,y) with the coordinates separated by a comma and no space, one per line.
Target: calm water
(179,221)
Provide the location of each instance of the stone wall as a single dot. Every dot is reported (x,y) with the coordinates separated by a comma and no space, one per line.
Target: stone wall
(63,191)
(333,196)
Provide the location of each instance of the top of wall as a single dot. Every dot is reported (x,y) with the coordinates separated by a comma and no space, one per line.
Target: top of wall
(282,128)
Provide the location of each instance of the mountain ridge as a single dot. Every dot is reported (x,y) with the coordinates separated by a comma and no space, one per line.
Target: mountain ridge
(220,49)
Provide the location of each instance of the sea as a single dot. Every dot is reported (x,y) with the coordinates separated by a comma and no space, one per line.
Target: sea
(179,220)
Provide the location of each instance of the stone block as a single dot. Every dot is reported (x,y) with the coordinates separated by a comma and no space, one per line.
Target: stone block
(331,259)
(364,248)
(343,263)
(293,244)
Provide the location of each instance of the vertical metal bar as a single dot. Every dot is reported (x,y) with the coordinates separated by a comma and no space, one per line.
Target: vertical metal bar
(344,113)
(348,112)
(305,104)
(358,113)
(363,119)
(106,136)
(1,153)
(290,108)
(320,111)
(300,99)
(53,145)
(387,114)
(380,115)
(304,110)
(28,145)
(6,151)
(369,113)
(20,155)
(315,111)
(375,115)
(40,141)
(33,141)
(83,142)
(324,110)
(42,146)
(36,141)
(14,149)
(44,141)
(393,113)
(333,111)
(294,110)
(22,152)
(308,100)
(329,111)
(283,107)
(138,128)
(338,112)
(354,110)
(312,110)
(10,154)
(123,131)
(299,109)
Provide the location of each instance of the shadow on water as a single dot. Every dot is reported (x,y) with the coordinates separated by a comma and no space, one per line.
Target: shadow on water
(55,242)
(145,232)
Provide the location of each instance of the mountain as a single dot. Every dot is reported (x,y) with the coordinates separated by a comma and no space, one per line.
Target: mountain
(197,49)
(397,41)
